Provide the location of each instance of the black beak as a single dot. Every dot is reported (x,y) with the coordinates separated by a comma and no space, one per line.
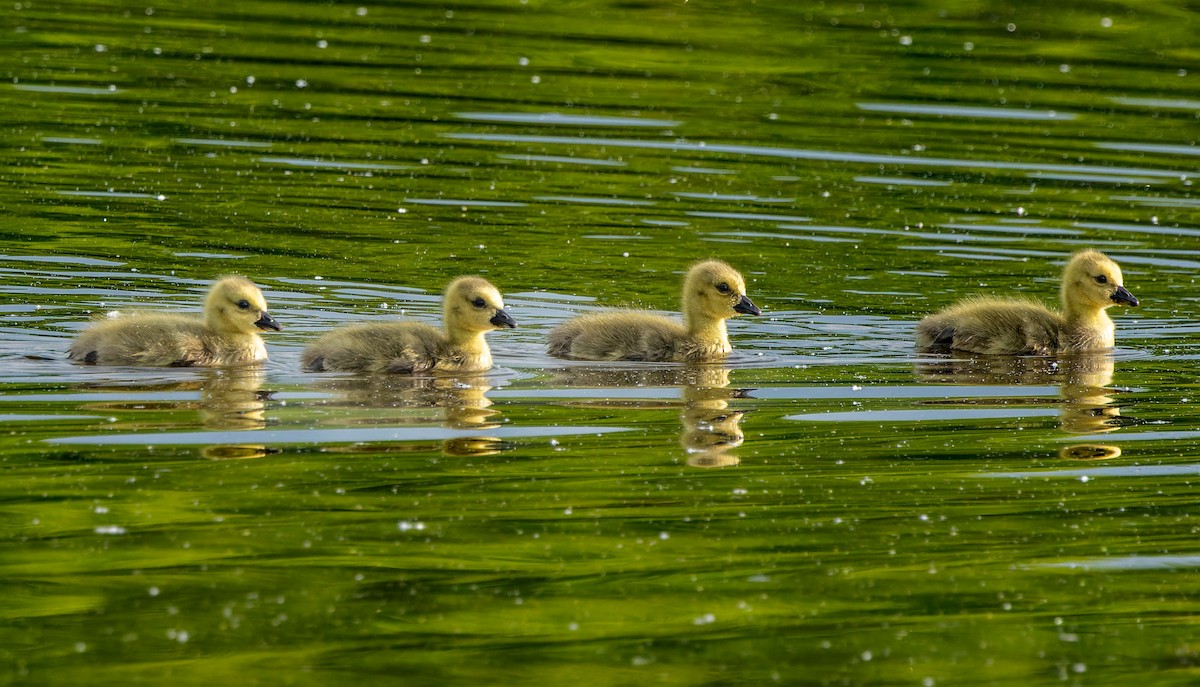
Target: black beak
(746,306)
(1121,295)
(503,319)
(267,322)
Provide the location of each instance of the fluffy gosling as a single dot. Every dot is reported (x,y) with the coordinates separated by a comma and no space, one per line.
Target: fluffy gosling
(1091,283)
(472,307)
(227,334)
(712,292)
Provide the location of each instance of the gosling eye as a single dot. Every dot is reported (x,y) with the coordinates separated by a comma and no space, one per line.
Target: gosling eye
(723,287)
(478,303)
(1102,279)
(243,304)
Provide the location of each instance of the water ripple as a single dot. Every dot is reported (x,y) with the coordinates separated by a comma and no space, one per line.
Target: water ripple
(563,159)
(748,216)
(1139,228)
(1095,178)
(113,194)
(1148,201)
(1009,229)
(967,111)
(735,197)
(556,119)
(222,143)
(1118,563)
(592,200)
(899,392)
(71,90)
(924,415)
(69,140)
(702,170)
(466,203)
(1097,471)
(808,154)
(324,436)
(1150,148)
(1158,103)
(901,181)
(63,259)
(330,164)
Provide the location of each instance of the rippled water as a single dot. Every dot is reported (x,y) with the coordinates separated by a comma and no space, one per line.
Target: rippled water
(826,507)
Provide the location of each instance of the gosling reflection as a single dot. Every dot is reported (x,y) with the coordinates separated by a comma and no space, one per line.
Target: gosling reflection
(231,399)
(1087,405)
(454,402)
(711,429)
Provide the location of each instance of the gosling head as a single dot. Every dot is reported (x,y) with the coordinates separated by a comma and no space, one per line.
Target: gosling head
(236,306)
(473,305)
(713,290)
(1092,281)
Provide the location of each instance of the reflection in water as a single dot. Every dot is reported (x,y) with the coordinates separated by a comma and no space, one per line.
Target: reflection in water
(230,399)
(233,399)
(1087,405)
(711,429)
(455,402)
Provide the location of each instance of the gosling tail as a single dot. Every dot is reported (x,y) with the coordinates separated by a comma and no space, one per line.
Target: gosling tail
(932,336)
(944,338)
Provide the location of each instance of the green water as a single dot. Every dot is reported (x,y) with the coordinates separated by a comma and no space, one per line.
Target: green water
(827,507)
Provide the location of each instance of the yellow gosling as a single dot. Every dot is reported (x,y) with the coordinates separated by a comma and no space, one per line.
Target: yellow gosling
(712,292)
(1091,283)
(234,313)
(472,308)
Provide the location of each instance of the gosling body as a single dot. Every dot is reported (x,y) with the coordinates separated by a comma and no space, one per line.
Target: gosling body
(227,334)
(712,292)
(472,308)
(1091,283)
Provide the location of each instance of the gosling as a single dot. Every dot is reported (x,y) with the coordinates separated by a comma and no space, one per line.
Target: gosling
(472,307)
(712,292)
(234,312)
(1091,283)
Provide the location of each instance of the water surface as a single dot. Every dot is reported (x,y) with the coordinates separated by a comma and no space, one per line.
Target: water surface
(827,506)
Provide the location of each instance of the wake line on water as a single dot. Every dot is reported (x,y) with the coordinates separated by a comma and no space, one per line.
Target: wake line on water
(806,154)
